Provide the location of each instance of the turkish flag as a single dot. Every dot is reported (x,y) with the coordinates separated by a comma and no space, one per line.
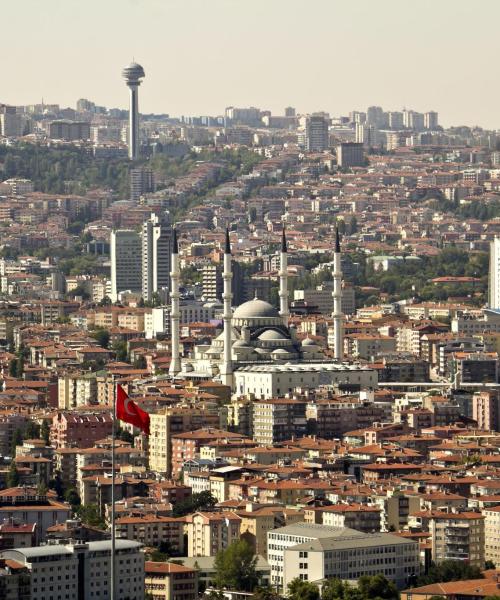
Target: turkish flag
(128,411)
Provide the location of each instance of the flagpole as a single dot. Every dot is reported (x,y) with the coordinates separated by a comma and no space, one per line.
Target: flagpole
(112,595)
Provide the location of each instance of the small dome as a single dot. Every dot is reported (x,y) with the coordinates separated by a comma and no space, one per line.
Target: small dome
(256,309)
(271,335)
(280,351)
(308,342)
(240,344)
(188,367)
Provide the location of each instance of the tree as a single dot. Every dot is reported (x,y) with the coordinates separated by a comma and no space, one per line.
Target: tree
(377,586)
(202,501)
(32,431)
(489,564)
(102,337)
(302,590)
(450,570)
(90,515)
(57,485)
(17,440)
(73,498)
(266,593)
(13,475)
(120,349)
(13,367)
(42,489)
(235,567)
(45,432)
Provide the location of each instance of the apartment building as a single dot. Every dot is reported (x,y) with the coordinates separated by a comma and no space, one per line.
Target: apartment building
(152,530)
(492,534)
(170,581)
(79,429)
(458,536)
(486,410)
(209,532)
(171,421)
(359,517)
(278,419)
(78,389)
(79,571)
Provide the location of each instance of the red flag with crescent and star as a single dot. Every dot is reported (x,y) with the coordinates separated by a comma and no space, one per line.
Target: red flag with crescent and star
(128,411)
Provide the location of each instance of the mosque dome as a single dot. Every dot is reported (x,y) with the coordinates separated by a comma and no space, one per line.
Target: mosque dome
(271,335)
(255,309)
(308,342)
(241,344)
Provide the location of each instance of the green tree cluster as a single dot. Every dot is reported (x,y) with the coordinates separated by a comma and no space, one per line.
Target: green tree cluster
(236,567)
(195,502)
(450,570)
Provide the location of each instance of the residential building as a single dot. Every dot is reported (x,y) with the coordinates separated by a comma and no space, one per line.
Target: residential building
(210,532)
(170,581)
(142,181)
(77,389)
(152,530)
(486,410)
(458,536)
(126,267)
(278,419)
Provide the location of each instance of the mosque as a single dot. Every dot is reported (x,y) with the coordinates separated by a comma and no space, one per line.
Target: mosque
(258,352)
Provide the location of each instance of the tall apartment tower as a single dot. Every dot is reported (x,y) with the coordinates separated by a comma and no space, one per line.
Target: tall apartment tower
(494,278)
(126,271)
(316,133)
(142,181)
(366,135)
(431,120)
(376,116)
(156,255)
(133,74)
(350,154)
(212,284)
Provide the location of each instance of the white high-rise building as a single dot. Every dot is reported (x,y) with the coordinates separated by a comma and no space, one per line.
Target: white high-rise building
(81,571)
(494,279)
(431,120)
(156,251)
(126,271)
(316,133)
(366,135)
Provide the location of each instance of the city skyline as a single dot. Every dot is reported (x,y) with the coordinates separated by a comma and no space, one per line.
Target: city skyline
(204,78)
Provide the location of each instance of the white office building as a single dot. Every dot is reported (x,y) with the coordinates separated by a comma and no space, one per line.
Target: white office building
(81,571)
(156,251)
(314,552)
(494,280)
(126,271)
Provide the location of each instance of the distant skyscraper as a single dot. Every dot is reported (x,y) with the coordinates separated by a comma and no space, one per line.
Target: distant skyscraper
(376,116)
(316,134)
(289,111)
(350,154)
(126,271)
(431,120)
(396,120)
(142,181)
(133,74)
(366,135)
(494,279)
(156,254)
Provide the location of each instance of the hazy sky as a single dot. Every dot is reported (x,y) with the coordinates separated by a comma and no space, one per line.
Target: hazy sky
(203,55)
